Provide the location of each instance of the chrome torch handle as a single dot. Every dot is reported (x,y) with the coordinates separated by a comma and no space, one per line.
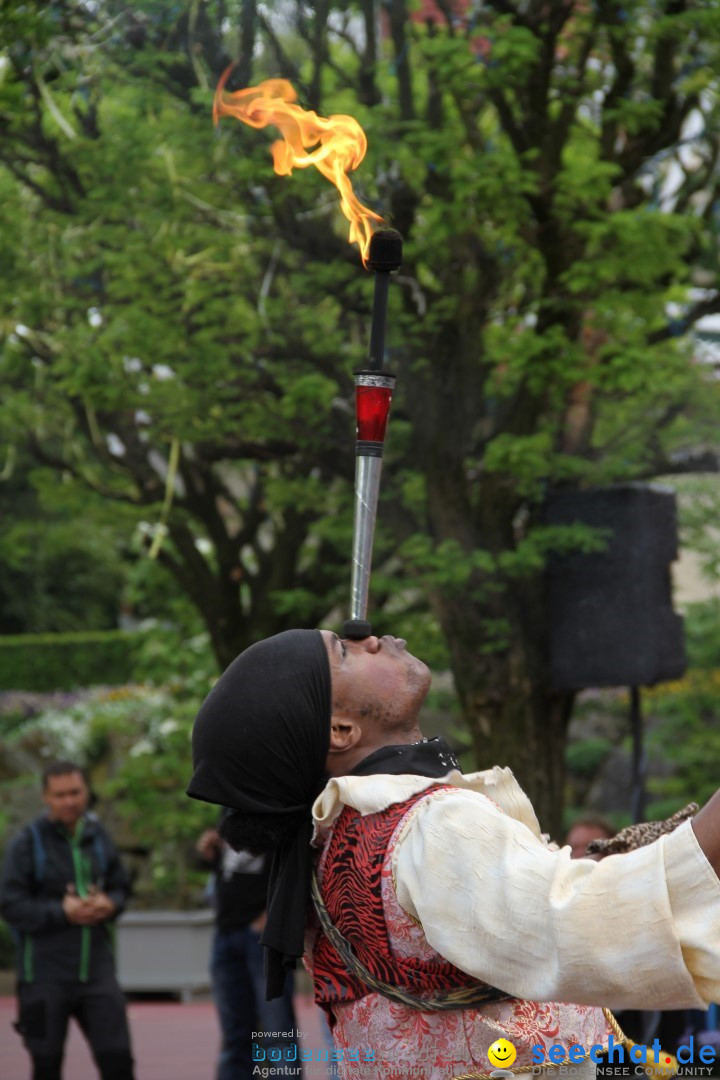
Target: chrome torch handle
(367,489)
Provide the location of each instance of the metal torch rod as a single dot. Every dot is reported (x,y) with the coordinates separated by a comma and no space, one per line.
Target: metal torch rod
(385,256)
(367,489)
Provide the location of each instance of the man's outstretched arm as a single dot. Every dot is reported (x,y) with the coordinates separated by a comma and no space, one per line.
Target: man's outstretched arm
(637,930)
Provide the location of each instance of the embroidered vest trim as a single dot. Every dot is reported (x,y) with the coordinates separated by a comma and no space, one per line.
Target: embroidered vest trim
(352,893)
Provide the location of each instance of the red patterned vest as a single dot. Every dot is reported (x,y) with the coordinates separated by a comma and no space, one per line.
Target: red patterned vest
(351,890)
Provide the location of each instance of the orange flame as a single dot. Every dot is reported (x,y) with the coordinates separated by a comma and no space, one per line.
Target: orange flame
(339,140)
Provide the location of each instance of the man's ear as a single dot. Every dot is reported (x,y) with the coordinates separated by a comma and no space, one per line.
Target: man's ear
(345,734)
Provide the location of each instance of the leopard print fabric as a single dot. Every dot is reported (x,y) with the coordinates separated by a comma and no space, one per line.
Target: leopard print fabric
(635,836)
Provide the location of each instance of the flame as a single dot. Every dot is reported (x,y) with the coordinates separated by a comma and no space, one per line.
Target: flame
(340,143)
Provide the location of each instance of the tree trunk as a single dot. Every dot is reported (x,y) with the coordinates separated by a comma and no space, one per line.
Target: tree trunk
(512,720)
(526,730)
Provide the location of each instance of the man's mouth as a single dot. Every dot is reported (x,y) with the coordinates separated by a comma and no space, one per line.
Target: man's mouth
(398,642)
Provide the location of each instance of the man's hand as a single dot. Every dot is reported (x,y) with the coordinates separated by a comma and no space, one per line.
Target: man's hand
(209,844)
(706,824)
(102,906)
(89,910)
(258,925)
(77,910)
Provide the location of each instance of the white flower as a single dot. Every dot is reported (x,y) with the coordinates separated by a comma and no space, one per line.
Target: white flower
(162,372)
(142,746)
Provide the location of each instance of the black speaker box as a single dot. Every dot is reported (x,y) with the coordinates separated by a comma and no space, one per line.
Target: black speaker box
(610,615)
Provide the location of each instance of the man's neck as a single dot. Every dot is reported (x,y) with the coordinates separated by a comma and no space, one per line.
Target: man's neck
(69,829)
(344,763)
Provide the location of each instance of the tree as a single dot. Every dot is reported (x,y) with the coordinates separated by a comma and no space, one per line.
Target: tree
(56,578)
(161,378)
(552,167)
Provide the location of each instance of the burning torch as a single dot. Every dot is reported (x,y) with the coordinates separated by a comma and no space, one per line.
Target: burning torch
(336,145)
(373,394)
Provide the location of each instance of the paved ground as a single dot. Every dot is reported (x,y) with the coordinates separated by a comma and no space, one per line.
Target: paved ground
(170,1041)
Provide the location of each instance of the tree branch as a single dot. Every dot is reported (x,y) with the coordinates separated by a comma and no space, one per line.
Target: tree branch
(678,327)
(702,461)
(287,68)
(399,24)
(248,21)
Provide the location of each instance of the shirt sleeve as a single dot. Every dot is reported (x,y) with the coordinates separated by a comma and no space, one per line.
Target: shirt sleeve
(638,930)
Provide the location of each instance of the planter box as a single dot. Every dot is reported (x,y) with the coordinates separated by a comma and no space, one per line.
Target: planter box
(165,951)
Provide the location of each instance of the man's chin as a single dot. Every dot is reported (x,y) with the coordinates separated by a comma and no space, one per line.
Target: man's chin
(419,678)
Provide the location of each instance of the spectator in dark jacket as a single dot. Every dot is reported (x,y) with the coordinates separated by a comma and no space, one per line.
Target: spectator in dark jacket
(61,888)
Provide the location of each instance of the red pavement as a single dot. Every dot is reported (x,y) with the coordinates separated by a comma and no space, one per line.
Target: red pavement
(170,1041)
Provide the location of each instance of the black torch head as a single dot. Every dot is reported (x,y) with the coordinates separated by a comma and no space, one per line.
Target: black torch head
(385,254)
(356,629)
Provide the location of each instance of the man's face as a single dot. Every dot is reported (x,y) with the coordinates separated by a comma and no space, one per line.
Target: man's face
(66,798)
(377,681)
(580,836)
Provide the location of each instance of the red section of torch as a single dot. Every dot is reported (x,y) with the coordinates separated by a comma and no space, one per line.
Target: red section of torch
(372,407)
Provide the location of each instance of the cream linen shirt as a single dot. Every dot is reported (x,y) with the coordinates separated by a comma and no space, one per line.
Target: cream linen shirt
(635,931)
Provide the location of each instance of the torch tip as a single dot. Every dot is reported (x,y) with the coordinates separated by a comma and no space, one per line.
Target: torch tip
(385,253)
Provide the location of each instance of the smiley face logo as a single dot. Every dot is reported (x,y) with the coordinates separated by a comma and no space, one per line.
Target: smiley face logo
(501,1054)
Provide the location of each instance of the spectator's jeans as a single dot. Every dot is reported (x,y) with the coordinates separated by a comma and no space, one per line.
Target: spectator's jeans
(238,979)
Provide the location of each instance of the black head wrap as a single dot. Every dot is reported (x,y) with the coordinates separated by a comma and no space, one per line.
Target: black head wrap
(260,743)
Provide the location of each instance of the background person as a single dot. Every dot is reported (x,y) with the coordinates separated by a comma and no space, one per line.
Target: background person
(237,959)
(62,886)
(582,831)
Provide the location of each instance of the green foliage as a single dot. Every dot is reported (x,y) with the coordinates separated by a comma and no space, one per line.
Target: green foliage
(149,740)
(163,656)
(155,317)
(686,718)
(157,653)
(44,662)
(585,758)
(685,715)
(702,635)
(681,724)
(699,512)
(56,576)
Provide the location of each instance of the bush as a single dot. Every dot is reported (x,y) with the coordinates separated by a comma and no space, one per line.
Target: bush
(685,729)
(44,662)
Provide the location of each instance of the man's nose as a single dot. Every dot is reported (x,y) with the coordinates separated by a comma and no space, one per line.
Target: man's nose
(369,644)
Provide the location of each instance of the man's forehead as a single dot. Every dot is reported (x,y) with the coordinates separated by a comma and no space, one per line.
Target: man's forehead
(62,781)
